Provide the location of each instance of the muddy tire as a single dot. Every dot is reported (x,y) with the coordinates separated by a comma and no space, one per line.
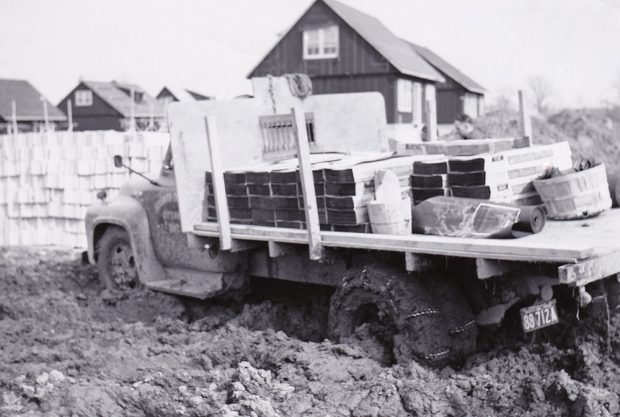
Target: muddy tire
(460,319)
(400,303)
(116,262)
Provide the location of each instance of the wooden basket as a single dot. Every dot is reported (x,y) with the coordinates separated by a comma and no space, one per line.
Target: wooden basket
(577,195)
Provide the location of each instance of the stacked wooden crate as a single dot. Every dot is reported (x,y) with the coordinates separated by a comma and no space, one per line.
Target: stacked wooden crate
(429,179)
(48,180)
(272,195)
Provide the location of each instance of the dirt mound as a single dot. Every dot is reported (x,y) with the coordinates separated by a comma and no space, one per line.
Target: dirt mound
(591,133)
(68,350)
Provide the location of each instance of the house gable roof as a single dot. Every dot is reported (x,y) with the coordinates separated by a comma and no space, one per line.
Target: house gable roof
(391,47)
(28,102)
(448,69)
(406,60)
(113,95)
(181,94)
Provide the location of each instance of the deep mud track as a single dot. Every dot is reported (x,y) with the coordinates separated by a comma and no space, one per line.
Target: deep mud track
(69,349)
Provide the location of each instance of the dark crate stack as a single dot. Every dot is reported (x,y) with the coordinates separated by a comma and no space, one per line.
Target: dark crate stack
(429,179)
(503,176)
(275,198)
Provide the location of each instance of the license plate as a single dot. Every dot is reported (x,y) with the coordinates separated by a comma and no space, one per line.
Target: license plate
(538,316)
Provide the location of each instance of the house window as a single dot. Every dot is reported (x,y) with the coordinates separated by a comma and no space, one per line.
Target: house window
(321,43)
(404,96)
(83,98)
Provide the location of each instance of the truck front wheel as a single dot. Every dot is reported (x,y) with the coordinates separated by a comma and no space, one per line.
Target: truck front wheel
(116,261)
(396,304)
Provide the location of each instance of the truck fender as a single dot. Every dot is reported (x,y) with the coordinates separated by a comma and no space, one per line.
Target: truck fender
(129,214)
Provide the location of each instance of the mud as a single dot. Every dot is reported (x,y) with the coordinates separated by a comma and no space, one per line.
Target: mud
(70,349)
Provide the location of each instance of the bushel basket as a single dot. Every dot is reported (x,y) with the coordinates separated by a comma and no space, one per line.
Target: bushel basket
(576,195)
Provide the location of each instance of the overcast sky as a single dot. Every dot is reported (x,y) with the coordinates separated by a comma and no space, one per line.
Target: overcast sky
(211,45)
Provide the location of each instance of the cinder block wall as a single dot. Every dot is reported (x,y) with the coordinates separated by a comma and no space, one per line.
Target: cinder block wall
(48,180)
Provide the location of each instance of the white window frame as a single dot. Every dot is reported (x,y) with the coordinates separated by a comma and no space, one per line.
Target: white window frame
(321,43)
(404,95)
(83,98)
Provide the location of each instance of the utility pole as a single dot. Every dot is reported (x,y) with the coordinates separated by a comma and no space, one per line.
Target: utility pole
(14,109)
(70,115)
(46,118)
(132,121)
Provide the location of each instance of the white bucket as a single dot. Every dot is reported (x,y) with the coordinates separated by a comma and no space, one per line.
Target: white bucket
(390,218)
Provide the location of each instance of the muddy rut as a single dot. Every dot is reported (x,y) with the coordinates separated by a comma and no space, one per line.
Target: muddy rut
(67,348)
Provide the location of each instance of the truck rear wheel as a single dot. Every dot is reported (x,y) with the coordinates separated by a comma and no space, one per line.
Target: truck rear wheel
(397,303)
(116,261)
(460,319)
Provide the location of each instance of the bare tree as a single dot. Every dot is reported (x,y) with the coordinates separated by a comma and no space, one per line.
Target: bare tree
(541,93)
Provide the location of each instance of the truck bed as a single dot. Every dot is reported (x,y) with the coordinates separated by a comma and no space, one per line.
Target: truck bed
(590,248)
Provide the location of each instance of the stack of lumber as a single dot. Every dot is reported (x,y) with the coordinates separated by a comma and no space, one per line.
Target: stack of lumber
(48,180)
(506,176)
(272,195)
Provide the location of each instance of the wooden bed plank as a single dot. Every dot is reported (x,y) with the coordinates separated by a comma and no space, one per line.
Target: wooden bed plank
(559,242)
(432,245)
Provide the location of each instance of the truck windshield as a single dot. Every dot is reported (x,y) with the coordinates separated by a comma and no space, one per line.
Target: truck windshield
(168,162)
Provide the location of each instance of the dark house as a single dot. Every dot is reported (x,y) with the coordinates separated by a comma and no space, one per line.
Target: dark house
(169,93)
(22,105)
(113,106)
(456,95)
(345,50)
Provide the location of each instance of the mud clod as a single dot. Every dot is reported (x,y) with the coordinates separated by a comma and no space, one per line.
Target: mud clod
(67,348)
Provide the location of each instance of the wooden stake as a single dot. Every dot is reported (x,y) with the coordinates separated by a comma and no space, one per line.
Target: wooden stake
(307,184)
(525,123)
(219,188)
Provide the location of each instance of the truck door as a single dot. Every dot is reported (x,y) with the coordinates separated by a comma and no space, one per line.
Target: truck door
(169,242)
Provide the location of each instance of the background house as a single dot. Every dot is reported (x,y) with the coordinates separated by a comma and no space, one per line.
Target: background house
(345,50)
(112,106)
(22,105)
(458,93)
(172,93)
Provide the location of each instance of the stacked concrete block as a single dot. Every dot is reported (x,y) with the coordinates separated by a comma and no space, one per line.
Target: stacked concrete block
(48,180)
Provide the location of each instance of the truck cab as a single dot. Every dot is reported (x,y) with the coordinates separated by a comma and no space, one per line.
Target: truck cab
(135,239)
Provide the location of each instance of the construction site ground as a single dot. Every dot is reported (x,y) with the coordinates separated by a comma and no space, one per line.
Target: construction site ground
(69,348)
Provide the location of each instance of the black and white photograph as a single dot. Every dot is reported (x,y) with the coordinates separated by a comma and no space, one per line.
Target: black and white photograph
(314,208)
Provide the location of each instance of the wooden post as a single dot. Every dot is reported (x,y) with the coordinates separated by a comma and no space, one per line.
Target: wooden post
(219,188)
(307,184)
(430,121)
(525,123)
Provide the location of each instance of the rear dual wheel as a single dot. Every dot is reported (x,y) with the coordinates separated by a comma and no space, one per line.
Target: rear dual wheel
(397,307)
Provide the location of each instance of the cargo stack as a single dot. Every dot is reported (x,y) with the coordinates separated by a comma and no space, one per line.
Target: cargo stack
(429,179)
(506,176)
(274,197)
(48,180)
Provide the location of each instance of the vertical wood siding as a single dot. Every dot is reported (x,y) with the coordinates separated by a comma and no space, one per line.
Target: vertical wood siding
(355,56)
